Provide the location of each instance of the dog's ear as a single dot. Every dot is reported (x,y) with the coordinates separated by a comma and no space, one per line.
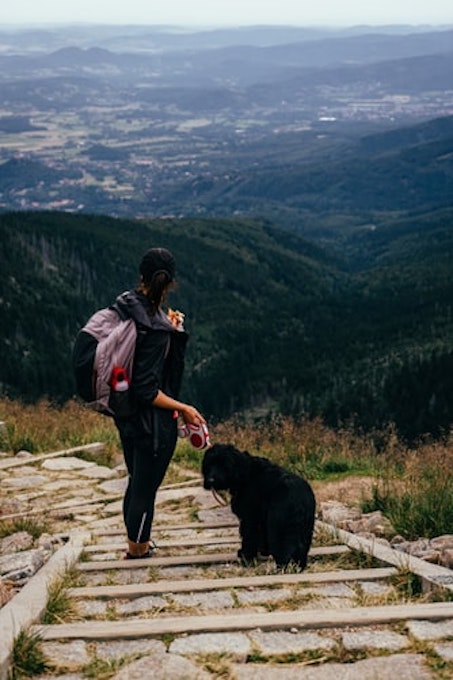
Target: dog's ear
(221,450)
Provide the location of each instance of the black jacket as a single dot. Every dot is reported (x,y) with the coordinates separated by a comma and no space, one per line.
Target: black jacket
(158,365)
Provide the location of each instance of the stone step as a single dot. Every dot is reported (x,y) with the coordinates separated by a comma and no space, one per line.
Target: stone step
(191,559)
(134,590)
(164,528)
(182,543)
(313,619)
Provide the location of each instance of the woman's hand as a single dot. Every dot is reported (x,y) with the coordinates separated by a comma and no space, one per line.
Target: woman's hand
(191,415)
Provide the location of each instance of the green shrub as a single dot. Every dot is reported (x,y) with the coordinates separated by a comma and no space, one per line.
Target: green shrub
(418,501)
(28,658)
(32,526)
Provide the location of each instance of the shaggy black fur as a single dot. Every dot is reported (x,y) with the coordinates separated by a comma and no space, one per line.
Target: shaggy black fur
(276,508)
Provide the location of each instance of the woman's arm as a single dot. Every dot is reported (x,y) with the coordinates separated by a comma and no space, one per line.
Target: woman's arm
(188,412)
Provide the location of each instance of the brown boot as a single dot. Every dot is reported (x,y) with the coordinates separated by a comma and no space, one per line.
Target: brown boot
(137,550)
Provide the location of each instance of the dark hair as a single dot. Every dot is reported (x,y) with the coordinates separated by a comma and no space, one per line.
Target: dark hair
(155,290)
(157,271)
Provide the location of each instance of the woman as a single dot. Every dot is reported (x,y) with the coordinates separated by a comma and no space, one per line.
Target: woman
(148,435)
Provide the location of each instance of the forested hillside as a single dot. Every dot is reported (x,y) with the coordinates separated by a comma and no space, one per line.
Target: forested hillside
(363,332)
(322,170)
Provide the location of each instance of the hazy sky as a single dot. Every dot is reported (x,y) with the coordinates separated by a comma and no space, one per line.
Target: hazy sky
(228,12)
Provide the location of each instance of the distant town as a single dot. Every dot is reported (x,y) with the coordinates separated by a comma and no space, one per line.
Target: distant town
(94,130)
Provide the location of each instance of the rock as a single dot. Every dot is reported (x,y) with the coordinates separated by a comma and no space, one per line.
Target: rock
(13,543)
(396,540)
(115,649)
(141,604)
(444,650)
(24,454)
(429,550)
(21,565)
(282,642)
(263,595)
(430,630)
(236,644)
(70,655)
(440,542)
(7,591)
(49,542)
(373,522)
(374,640)
(25,482)
(401,666)
(114,486)
(67,463)
(162,667)
(99,472)
(446,558)
(209,600)
(415,548)
(334,512)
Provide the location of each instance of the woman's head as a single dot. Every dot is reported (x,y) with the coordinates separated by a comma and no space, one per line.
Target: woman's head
(157,272)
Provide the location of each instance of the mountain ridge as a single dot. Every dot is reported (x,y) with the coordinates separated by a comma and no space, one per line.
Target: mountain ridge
(276,322)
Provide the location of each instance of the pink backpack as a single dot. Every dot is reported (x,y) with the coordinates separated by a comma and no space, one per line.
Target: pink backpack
(105,348)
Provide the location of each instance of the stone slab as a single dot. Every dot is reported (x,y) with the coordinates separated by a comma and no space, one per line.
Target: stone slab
(374,639)
(162,667)
(429,630)
(237,645)
(444,650)
(284,642)
(401,666)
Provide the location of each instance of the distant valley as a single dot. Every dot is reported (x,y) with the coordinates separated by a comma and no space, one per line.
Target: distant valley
(144,123)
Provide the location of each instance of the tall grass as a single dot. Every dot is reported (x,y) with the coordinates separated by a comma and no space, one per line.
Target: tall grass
(44,427)
(60,606)
(28,657)
(32,526)
(307,447)
(416,493)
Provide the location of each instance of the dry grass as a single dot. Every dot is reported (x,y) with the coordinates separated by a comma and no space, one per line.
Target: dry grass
(45,427)
(415,491)
(61,608)
(308,447)
(28,658)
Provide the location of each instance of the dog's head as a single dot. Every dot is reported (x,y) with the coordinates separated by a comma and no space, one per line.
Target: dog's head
(225,468)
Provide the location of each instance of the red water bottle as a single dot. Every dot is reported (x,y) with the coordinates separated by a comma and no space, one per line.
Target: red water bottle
(119,401)
(120,380)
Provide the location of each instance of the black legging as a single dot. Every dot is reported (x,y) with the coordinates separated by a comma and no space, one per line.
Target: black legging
(146,469)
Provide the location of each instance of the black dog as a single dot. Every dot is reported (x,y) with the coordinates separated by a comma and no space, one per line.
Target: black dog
(276,508)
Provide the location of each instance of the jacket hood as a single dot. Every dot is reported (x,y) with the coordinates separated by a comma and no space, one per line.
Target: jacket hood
(135,305)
